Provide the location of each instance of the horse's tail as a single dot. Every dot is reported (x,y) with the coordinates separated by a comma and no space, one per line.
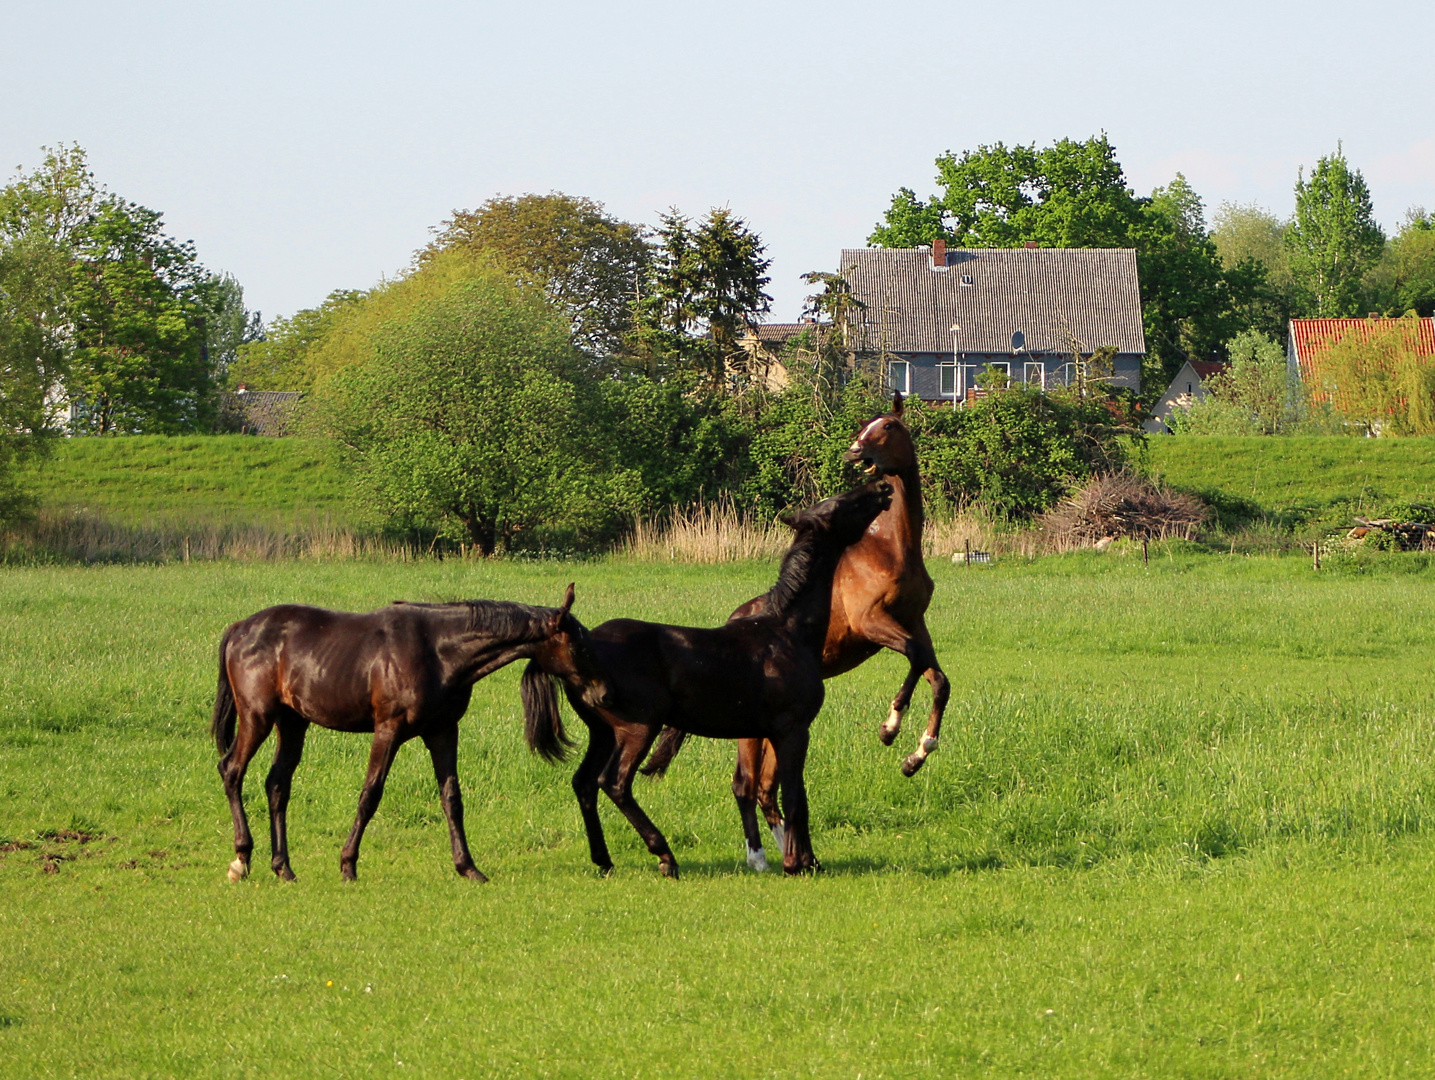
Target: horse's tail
(542,722)
(221,725)
(664,750)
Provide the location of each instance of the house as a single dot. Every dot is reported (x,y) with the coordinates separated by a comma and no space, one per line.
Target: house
(1035,315)
(1312,339)
(1187,387)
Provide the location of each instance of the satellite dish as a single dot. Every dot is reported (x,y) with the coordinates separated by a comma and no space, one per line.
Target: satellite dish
(1018,341)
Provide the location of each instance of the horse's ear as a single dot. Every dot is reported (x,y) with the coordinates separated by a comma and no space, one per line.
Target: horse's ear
(567,604)
(789,518)
(897,404)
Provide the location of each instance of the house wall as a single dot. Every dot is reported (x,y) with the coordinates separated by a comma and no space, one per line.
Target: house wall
(926,379)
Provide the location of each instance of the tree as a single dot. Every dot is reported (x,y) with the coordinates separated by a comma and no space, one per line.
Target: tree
(704,288)
(1333,239)
(279,358)
(465,416)
(1403,281)
(1252,245)
(228,324)
(135,302)
(587,262)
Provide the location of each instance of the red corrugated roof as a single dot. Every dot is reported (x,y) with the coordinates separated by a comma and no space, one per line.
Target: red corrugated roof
(1313,339)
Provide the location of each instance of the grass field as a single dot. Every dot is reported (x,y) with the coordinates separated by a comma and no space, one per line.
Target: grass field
(1302,473)
(1178,825)
(147,480)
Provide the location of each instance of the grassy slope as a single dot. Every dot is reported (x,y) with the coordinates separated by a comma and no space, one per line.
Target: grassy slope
(1152,781)
(232,479)
(1280,473)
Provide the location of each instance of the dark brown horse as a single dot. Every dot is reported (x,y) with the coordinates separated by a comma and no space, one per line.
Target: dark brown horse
(752,678)
(401,672)
(879,601)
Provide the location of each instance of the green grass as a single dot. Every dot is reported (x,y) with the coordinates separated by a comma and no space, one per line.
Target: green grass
(1300,472)
(146,480)
(1151,781)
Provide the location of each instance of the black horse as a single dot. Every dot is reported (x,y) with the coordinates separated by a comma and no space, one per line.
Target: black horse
(402,671)
(754,678)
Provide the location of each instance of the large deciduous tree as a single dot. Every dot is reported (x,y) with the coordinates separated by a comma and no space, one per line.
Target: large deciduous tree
(587,262)
(1333,239)
(1403,281)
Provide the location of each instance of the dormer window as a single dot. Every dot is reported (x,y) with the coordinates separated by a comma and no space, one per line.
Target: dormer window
(966,279)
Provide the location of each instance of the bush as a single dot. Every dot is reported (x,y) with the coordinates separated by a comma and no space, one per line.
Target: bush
(1124,504)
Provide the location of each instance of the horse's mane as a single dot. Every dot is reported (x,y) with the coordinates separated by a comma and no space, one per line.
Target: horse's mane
(797,566)
(497,618)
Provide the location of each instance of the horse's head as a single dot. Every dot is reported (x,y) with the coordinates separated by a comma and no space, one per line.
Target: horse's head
(884,445)
(844,518)
(567,654)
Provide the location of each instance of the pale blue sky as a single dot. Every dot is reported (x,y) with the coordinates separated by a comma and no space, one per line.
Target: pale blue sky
(310,146)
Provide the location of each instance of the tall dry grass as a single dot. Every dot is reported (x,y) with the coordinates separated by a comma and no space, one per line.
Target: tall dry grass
(86,538)
(719,534)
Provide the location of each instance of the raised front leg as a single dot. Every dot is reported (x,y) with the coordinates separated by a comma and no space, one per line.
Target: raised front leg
(251,732)
(921,660)
(292,730)
(600,755)
(797,854)
(924,658)
(617,782)
(381,758)
(443,749)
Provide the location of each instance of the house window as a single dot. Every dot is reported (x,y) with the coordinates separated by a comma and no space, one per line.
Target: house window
(1036,374)
(1000,368)
(947,380)
(899,376)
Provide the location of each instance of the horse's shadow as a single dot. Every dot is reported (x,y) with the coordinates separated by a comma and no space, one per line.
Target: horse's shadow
(854,866)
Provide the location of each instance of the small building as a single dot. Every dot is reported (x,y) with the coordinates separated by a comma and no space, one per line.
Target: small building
(1311,340)
(1034,315)
(1188,387)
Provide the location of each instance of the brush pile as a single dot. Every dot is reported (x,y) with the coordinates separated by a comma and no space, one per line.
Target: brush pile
(1123,504)
(1390,534)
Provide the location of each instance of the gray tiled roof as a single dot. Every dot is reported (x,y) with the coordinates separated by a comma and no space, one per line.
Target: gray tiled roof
(261,412)
(1039,291)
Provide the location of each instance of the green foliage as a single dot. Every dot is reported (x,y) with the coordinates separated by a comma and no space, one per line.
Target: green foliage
(280,359)
(1017,451)
(132,321)
(705,286)
(584,260)
(1333,239)
(33,275)
(1380,381)
(1403,281)
(1252,246)
(1253,396)
(467,419)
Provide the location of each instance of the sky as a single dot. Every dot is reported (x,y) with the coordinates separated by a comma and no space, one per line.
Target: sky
(311,146)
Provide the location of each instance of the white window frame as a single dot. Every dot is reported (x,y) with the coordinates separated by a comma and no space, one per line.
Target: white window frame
(1005,367)
(948,372)
(905,368)
(1040,373)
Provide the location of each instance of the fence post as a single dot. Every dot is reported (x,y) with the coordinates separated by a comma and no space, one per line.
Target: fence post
(1145,551)
(968,543)
(1315,554)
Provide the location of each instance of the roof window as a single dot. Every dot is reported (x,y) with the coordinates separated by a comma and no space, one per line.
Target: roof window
(966,279)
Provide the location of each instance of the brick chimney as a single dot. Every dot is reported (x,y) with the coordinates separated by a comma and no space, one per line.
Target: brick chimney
(939,254)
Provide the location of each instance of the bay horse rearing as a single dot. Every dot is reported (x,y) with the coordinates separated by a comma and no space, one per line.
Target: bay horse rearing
(880,595)
(401,672)
(753,678)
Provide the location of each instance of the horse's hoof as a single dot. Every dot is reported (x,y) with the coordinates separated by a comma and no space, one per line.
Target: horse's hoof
(757,859)
(890,727)
(238,871)
(284,873)
(472,873)
(349,873)
(669,870)
(605,871)
(913,763)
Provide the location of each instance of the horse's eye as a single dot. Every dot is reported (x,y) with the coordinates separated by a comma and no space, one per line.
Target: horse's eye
(890,425)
